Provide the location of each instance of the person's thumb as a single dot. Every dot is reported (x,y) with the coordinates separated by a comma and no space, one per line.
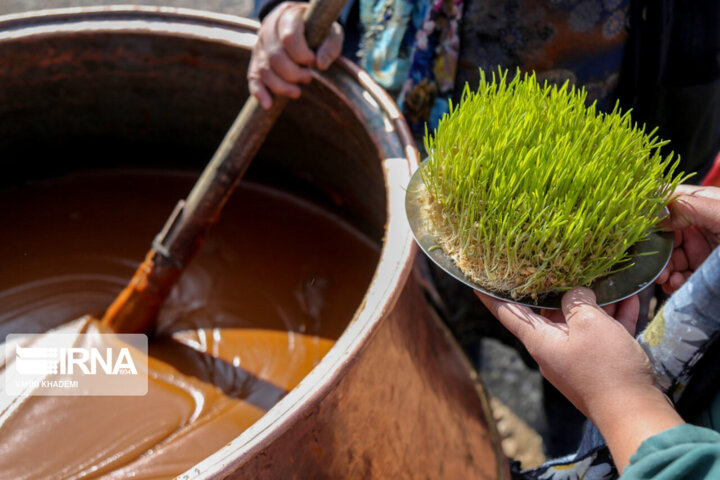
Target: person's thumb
(699,206)
(331,48)
(579,305)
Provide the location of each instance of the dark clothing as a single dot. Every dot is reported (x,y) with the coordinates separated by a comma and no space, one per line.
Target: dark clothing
(349,19)
(671,76)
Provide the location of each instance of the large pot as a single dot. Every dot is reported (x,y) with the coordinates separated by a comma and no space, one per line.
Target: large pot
(394,397)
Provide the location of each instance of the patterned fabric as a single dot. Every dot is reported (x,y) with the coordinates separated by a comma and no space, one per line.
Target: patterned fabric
(581,41)
(433,47)
(431,79)
(389,32)
(685,327)
(675,340)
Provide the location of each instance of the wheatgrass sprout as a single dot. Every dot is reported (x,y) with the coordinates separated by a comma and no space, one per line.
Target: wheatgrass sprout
(529,191)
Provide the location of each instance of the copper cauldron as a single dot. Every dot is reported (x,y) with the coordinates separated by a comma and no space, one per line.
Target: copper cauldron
(394,398)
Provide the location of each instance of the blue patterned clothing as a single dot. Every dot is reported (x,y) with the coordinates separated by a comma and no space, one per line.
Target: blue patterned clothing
(388,37)
(431,48)
(659,57)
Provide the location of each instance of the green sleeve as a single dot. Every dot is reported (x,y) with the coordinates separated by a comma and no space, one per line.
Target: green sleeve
(685,451)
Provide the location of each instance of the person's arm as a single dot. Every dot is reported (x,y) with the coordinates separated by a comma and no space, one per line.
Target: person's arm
(597,364)
(281,59)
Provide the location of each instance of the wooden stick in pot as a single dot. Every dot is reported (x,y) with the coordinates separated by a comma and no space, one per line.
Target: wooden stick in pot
(135,309)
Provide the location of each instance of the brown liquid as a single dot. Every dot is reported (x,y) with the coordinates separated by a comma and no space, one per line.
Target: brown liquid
(275,282)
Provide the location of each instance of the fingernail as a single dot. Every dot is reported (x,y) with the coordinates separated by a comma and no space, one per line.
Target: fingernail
(584,292)
(577,296)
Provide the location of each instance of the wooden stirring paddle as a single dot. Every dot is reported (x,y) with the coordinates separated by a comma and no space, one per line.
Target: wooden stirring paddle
(135,309)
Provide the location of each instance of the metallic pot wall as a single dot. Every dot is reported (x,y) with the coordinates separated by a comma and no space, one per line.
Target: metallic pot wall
(93,87)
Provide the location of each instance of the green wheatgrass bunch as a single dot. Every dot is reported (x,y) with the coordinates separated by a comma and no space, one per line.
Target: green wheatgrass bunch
(530,191)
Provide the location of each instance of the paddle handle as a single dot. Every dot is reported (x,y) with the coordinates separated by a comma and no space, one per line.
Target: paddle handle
(240,145)
(135,309)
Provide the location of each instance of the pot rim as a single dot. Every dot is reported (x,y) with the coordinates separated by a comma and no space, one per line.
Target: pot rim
(396,256)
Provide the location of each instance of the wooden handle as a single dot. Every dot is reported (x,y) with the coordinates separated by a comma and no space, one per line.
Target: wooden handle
(135,309)
(238,148)
(319,18)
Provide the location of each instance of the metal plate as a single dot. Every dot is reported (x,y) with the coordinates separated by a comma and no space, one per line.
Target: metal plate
(608,289)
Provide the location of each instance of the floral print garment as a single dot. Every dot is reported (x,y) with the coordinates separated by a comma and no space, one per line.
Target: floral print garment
(388,38)
(433,47)
(433,67)
(686,326)
(577,40)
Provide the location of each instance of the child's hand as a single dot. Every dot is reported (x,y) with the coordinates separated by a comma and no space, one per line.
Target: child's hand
(583,351)
(281,56)
(695,219)
(596,363)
